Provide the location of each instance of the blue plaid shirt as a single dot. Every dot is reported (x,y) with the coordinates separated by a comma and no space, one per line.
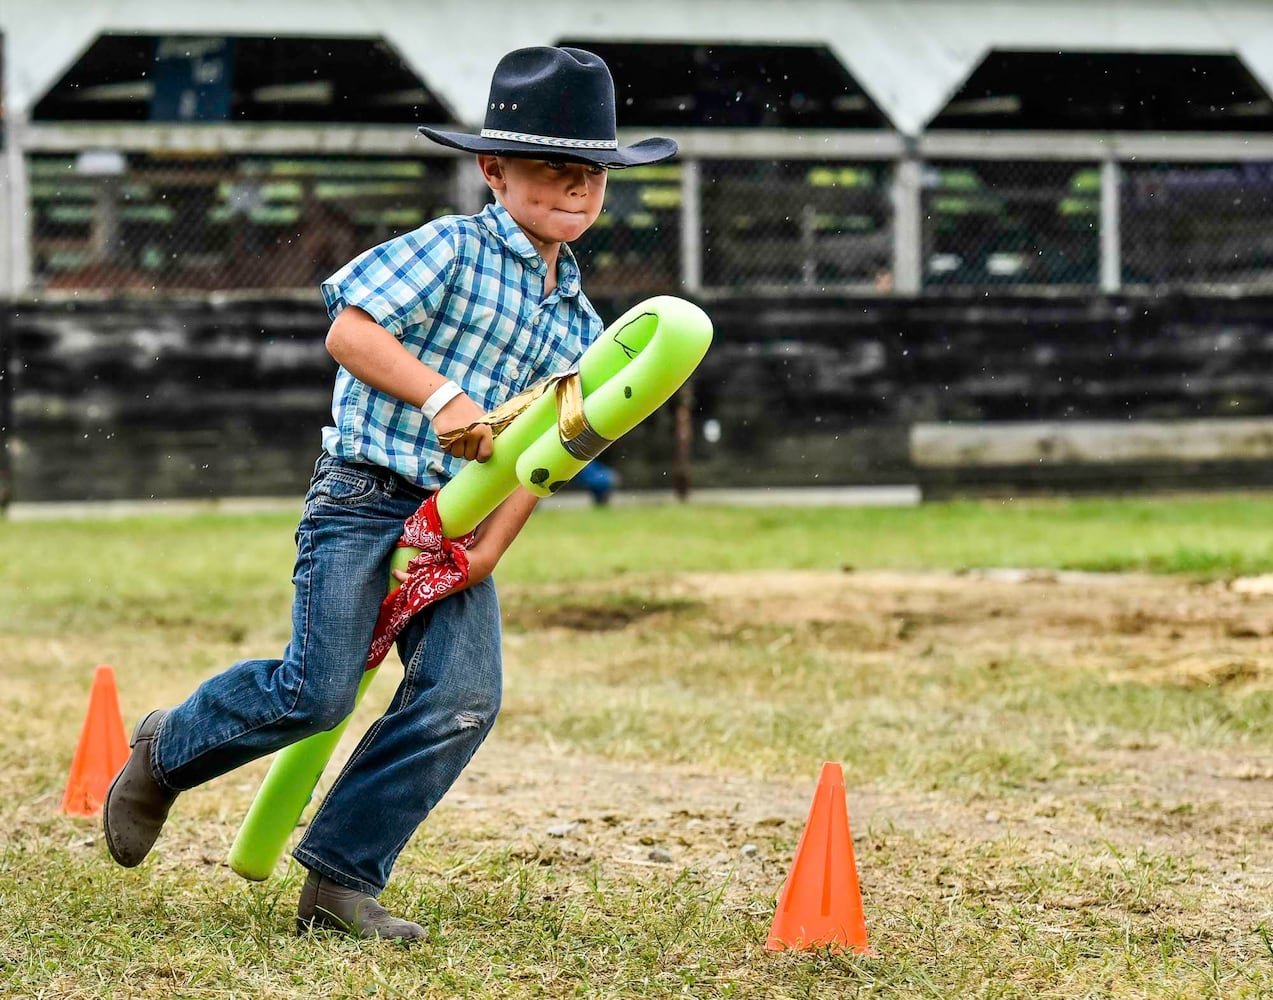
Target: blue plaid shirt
(464,294)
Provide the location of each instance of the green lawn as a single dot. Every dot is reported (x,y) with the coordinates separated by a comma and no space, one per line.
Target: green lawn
(143,559)
(1060,787)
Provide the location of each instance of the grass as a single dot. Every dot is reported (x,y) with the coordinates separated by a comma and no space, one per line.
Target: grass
(1209,536)
(1058,789)
(1213,536)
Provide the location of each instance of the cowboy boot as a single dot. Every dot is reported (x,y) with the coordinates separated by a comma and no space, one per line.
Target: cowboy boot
(330,905)
(136,803)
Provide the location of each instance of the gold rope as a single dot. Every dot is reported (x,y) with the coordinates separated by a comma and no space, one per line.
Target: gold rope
(571,420)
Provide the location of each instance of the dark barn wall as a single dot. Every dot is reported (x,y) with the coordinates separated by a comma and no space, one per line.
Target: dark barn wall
(179,398)
(226,396)
(825,391)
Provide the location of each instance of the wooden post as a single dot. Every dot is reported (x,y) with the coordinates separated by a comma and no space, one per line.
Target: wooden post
(1111,234)
(6,412)
(908,227)
(691,228)
(15,219)
(684,435)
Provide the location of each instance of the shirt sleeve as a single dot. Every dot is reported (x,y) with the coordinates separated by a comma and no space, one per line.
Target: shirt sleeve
(399,282)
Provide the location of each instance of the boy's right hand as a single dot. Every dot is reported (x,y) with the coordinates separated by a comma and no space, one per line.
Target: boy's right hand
(459,414)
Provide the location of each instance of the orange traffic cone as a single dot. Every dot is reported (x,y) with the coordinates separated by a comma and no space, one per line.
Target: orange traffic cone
(821,902)
(102,750)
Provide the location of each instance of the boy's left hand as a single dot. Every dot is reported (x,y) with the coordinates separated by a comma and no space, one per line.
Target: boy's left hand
(480,567)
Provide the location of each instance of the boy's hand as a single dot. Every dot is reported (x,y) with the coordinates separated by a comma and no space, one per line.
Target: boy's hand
(481,565)
(476,441)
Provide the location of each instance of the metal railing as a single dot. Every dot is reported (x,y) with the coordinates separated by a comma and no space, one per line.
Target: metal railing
(166,209)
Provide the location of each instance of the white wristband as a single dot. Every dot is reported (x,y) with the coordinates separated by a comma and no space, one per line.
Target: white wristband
(440,396)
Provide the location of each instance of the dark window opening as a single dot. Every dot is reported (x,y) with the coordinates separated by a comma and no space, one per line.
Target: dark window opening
(814,224)
(734,86)
(633,248)
(131,78)
(152,222)
(1197,223)
(1011,223)
(1117,91)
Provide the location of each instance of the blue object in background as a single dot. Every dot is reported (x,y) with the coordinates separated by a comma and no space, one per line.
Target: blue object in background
(599,480)
(192,79)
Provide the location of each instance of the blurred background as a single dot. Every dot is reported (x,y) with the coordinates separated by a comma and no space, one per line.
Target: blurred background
(977,247)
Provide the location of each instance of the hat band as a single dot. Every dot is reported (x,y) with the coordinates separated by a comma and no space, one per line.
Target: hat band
(548,140)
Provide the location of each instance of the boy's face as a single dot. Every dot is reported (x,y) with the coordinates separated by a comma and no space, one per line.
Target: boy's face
(552,200)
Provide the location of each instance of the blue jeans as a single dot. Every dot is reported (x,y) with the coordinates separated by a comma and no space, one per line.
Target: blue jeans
(441,713)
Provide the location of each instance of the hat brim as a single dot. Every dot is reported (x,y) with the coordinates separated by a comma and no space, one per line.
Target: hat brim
(639,153)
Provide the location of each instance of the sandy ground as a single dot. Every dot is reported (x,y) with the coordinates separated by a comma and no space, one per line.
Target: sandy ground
(1211,809)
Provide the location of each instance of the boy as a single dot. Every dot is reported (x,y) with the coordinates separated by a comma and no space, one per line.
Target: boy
(431,330)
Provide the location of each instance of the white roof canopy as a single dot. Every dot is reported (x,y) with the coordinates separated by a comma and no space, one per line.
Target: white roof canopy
(908,55)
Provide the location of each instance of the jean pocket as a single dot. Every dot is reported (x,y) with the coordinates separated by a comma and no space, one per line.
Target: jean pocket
(343,487)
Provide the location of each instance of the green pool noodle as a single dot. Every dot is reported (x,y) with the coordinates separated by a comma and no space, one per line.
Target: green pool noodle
(286,791)
(655,346)
(627,374)
(640,360)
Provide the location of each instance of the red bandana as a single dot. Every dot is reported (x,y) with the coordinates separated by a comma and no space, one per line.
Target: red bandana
(441,568)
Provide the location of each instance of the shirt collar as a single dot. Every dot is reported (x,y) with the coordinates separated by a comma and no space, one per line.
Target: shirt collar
(567,272)
(505,229)
(496,218)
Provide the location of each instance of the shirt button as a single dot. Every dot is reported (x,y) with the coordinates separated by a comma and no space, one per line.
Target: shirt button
(515,372)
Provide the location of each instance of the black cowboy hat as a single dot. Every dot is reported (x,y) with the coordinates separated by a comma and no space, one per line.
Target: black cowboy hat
(554,103)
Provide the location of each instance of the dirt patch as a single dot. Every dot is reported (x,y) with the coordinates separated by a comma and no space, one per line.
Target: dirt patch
(1160,630)
(1212,807)
(1210,811)
(606,612)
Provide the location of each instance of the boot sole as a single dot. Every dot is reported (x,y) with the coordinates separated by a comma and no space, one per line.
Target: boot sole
(323,924)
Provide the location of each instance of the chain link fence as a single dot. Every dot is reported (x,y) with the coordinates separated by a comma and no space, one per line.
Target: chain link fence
(146,222)
(1011,223)
(634,248)
(796,225)
(1198,224)
(149,222)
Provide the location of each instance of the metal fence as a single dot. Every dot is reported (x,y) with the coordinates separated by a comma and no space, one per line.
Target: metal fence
(796,225)
(1008,223)
(1191,223)
(977,214)
(156,223)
